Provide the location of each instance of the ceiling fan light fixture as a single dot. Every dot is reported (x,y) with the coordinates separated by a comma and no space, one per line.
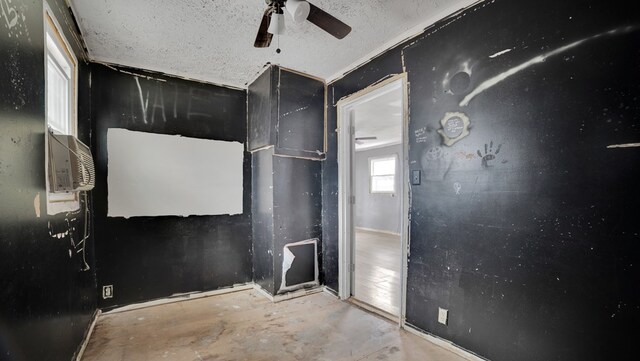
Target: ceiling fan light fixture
(298,9)
(276,27)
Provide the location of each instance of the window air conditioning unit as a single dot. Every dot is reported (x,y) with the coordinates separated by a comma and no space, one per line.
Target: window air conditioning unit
(70,164)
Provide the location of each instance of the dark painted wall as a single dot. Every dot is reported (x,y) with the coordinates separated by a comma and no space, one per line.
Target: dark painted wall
(380,211)
(286,110)
(288,113)
(46,300)
(300,126)
(146,258)
(262,219)
(262,110)
(297,207)
(370,73)
(533,248)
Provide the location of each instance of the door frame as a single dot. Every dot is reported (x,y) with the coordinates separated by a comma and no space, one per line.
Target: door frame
(346,234)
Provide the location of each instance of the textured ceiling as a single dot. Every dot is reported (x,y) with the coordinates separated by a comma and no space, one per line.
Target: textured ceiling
(212,40)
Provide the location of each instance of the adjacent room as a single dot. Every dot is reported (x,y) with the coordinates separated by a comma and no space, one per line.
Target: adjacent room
(319,180)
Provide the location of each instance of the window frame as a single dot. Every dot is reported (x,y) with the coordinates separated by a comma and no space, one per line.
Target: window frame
(60,56)
(372,160)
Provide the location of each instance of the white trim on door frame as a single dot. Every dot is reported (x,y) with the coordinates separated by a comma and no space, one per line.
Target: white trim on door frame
(345,193)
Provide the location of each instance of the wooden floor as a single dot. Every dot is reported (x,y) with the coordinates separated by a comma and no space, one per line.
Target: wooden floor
(246,326)
(378,265)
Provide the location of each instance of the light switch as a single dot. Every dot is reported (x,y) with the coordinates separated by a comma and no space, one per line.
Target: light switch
(415,177)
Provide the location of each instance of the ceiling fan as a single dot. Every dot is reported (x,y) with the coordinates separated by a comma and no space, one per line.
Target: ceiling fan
(362,140)
(273,20)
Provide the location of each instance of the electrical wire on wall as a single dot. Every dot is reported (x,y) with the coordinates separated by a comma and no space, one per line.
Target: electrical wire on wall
(79,247)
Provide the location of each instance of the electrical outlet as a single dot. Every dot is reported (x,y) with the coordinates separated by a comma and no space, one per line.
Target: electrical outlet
(107,292)
(443,316)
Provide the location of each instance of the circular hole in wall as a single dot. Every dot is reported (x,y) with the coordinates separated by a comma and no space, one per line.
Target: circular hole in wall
(459,83)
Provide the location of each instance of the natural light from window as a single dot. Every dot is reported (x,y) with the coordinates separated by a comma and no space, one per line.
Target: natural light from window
(60,98)
(383,175)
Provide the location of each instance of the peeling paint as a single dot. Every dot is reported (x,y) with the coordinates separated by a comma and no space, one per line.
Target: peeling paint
(288,259)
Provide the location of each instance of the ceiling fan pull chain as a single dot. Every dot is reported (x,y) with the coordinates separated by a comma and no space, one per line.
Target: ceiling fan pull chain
(278,49)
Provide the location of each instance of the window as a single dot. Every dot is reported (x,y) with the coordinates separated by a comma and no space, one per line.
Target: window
(60,101)
(383,175)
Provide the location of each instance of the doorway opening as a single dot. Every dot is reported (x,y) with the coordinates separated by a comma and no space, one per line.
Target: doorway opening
(373,197)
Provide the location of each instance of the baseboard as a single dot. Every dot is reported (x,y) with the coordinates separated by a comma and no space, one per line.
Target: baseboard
(182,297)
(447,345)
(287,296)
(377,231)
(375,310)
(87,336)
(330,291)
(263,292)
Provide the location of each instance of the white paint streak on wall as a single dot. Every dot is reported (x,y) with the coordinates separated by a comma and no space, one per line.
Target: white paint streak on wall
(143,104)
(36,204)
(627,145)
(164,175)
(538,60)
(60,235)
(295,111)
(9,13)
(500,53)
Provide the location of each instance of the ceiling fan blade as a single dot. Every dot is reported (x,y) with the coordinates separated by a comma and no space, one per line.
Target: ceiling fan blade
(263,39)
(366,138)
(328,23)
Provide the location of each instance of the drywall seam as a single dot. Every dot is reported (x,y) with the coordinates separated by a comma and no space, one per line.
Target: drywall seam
(246,110)
(398,40)
(389,78)
(261,148)
(183,297)
(303,74)
(264,68)
(132,73)
(447,345)
(118,67)
(318,159)
(75,30)
(325,109)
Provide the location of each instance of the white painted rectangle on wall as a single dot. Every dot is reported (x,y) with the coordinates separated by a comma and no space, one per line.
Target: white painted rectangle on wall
(169,175)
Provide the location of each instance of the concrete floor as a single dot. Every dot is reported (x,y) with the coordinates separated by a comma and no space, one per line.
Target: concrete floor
(378,264)
(246,326)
